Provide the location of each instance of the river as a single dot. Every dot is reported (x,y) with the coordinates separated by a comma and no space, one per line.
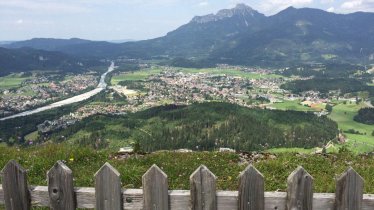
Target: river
(100,87)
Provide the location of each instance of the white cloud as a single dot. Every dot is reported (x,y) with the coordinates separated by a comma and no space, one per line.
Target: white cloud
(20,21)
(351,4)
(43,6)
(327,1)
(331,9)
(274,6)
(357,5)
(203,3)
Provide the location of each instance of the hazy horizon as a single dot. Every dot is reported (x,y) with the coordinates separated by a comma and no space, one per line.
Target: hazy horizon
(114,20)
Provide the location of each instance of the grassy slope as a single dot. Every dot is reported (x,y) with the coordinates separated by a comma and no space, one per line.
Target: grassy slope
(343,114)
(178,166)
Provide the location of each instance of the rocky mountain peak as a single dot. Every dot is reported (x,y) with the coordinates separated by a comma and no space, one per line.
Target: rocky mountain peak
(240,10)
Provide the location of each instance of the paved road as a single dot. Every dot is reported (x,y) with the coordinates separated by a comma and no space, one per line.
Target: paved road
(100,87)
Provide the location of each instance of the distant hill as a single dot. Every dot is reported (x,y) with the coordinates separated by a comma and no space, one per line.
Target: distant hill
(242,35)
(74,46)
(46,43)
(28,59)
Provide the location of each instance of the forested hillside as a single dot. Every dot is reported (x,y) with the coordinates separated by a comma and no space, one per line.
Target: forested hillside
(206,126)
(27,59)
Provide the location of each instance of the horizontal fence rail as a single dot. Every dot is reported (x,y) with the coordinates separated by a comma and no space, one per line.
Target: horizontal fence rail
(60,194)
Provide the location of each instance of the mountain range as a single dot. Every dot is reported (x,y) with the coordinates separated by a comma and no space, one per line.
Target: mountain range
(244,36)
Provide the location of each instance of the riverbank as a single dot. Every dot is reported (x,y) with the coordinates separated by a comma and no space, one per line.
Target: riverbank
(82,97)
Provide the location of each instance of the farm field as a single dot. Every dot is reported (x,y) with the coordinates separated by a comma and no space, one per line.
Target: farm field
(11,81)
(136,75)
(292,105)
(343,114)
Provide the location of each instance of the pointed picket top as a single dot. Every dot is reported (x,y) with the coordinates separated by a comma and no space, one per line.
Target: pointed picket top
(300,190)
(251,189)
(60,187)
(108,188)
(155,189)
(109,168)
(203,189)
(349,190)
(16,191)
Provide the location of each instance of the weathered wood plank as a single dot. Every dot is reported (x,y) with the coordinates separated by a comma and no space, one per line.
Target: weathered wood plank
(203,189)
(179,199)
(300,190)
(133,199)
(14,182)
(251,189)
(1,195)
(349,191)
(60,187)
(108,188)
(155,189)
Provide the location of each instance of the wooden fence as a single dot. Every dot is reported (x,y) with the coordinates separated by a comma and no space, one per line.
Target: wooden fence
(107,194)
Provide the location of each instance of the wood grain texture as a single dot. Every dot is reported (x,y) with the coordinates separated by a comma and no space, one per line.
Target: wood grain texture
(155,189)
(300,190)
(1,195)
(349,191)
(108,188)
(251,190)
(14,184)
(179,199)
(60,187)
(203,189)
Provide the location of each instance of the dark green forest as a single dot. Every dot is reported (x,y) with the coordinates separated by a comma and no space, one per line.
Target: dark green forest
(324,85)
(207,126)
(366,116)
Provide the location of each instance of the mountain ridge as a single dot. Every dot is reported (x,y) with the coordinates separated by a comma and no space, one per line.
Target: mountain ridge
(243,36)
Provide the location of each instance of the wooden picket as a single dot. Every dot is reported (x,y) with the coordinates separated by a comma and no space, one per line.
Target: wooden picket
(15,194)
(14,182)
(108,188)
(203,189)
(60,187)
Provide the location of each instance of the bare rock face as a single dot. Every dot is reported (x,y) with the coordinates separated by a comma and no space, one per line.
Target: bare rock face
(241,10)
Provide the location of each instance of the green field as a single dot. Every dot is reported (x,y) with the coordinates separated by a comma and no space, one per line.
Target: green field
(292,105)
(11,81)
(343,114)
(135,75)
(229,72)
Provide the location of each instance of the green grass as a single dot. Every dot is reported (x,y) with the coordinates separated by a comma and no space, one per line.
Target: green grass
(85,162)
(329,56)
(291,150)
(292,105)
(11,81)
(343,114)
(32,136)
(136,75)
(230,72)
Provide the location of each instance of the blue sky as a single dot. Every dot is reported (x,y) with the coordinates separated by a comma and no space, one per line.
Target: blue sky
(131,19)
